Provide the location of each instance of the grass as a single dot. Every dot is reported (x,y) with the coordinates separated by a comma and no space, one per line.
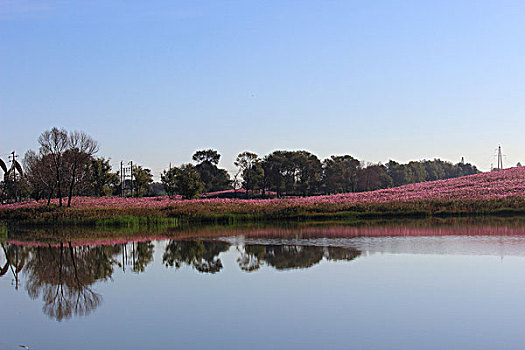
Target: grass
(136,221)
(172,216)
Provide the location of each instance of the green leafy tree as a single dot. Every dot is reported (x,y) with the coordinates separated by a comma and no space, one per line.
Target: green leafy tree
(142,180)
(340,174)
(207,156)
(214,178)
(309,173)
(373,177)
(169,181)
(417,171)
(188,182)
(252,171)
(102,182)
(274,176)
(292,172)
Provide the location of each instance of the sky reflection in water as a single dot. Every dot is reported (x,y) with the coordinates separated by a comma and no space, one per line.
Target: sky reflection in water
(268,291)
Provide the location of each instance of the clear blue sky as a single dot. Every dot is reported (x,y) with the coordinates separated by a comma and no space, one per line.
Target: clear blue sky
(153,81)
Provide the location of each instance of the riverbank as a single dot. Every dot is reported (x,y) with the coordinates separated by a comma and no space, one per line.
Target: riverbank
(498,193)
(225,214)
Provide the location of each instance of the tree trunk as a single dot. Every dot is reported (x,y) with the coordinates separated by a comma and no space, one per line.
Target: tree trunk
(71,184)
(50,195)
(57,165)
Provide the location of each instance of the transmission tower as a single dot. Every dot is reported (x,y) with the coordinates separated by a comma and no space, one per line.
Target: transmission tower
(500,158)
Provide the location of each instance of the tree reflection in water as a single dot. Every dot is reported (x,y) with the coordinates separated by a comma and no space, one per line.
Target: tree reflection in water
(201,255)
(15,260)
(63,275)
(142,255)
(284,257)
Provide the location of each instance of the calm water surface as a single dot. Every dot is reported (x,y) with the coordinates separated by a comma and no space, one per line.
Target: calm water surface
(317,287)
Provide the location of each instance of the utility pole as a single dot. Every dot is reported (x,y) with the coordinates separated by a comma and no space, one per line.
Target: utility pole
(13,170)
(131,177)
(121,178)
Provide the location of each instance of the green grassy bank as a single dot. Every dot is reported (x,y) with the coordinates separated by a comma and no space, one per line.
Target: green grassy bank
(177,215)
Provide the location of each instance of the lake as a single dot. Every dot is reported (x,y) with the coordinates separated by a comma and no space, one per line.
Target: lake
(439,284)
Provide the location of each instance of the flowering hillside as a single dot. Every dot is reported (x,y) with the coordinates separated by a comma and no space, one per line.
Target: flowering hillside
(485,191)
(495,184)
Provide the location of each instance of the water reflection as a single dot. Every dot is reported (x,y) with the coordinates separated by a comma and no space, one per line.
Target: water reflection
(15,258)
(142,255)
(65,275)
(201,255)
(285,257)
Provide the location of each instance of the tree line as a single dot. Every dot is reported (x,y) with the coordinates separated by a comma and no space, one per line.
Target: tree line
(66,165)
(301,173)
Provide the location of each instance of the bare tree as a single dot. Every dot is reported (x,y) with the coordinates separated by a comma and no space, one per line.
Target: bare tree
(40,175)
(54,143)
(81,147)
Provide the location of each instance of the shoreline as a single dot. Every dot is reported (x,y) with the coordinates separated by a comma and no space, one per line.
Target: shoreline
(82,235)
(202,213)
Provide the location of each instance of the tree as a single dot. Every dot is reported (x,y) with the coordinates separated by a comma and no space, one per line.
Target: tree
(292,172)
(39,173)
(418,172)
(214,179)
(101,180)
(309,173)
(185,181)
(275,172)
(399,173)
(62,164)
(373,177)
(246,160)
(434,169)
(340,174)
(169,181)
(188,182)
(53,143)
(210,156)
(251,169)
(142,180)
(463,169)
(81,148)
(253,178)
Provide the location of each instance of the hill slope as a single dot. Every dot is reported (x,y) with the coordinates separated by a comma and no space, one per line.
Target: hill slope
(485,193)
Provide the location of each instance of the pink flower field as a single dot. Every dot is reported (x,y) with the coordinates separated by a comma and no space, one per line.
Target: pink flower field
(504,185)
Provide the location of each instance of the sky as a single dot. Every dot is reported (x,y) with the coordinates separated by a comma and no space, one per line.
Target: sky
(154,81)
